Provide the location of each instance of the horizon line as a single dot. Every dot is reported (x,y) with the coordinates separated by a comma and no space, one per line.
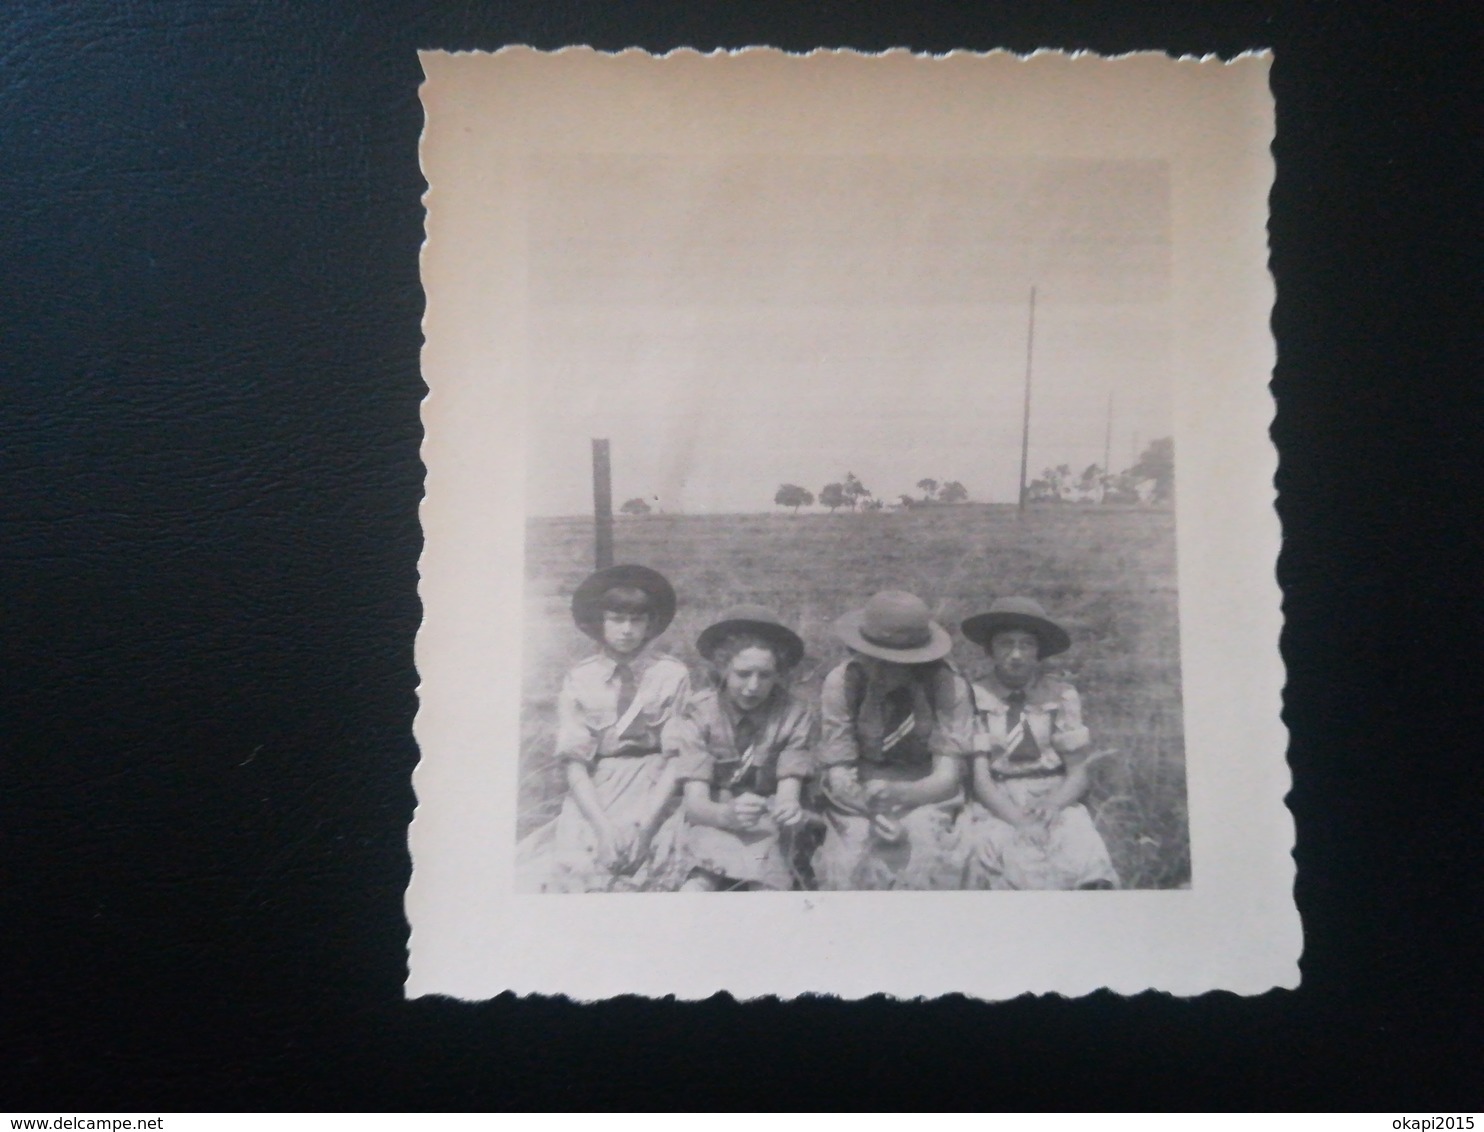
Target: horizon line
(1090,505)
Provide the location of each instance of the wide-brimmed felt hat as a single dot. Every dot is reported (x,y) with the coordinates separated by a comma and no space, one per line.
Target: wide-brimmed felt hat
(1024,613)
(753,619)
(587,608)
(896,626)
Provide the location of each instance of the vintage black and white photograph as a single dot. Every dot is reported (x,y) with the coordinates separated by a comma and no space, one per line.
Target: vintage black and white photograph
(850,550)
(859,436)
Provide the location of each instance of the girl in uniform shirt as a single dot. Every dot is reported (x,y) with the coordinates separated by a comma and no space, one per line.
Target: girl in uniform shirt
(619,822)
(741,751)
(1028,828)
(897,721)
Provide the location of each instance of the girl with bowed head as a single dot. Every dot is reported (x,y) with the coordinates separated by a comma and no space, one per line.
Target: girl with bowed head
(742,750)
(897,724)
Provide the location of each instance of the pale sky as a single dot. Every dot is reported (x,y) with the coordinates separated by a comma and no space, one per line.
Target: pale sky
(731,323)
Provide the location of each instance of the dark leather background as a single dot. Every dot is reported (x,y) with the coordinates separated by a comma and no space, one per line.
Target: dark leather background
(209,476)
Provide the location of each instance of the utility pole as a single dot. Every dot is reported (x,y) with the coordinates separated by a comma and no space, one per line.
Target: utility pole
(602,506)
(1025,424)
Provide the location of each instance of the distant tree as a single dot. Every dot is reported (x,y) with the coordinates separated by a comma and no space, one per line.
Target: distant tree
(1157,464)
(854,490)
(929,488)
(635,506)
(792,495)
(951,492)
(1051,487)
(906,502)
(1089,487)
(873,505)
(832,495)
(1121,489)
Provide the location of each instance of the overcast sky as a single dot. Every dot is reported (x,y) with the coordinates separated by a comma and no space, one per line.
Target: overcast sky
(734,323)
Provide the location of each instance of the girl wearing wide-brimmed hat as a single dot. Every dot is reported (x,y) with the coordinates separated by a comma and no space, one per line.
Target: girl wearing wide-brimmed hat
(619,822)
(1027,827)
(897,722)
(742,750)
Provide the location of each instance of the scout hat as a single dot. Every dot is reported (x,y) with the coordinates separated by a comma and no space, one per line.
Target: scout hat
(753,619)
(896,626)
(1024,613)
(587,601)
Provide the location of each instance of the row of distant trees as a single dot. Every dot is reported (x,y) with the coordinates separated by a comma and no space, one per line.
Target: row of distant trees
(1151,480)
(949,491)
(850,492)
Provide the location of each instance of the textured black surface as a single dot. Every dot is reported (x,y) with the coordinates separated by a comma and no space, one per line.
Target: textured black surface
(209,334)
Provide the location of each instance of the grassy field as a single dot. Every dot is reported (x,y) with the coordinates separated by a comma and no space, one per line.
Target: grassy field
(1107,573)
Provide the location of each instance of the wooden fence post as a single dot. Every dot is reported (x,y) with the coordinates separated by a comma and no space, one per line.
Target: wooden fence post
(602,506)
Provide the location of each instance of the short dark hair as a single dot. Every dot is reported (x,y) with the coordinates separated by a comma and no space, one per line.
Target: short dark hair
(625,599)
(729,646)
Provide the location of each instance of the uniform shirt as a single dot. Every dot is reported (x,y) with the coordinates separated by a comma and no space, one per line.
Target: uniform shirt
(933,716)
(587,705)
(704,738)
(1052,717)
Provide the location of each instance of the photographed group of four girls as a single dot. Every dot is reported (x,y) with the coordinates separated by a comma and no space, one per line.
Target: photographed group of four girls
(904,775)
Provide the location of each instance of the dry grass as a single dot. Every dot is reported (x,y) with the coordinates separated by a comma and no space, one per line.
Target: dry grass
(1108,573)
